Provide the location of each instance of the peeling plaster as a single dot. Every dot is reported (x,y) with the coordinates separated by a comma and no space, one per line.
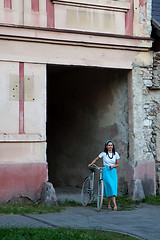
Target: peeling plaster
(142,14)
(142,2)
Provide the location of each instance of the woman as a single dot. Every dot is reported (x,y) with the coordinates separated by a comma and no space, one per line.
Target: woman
(110,179)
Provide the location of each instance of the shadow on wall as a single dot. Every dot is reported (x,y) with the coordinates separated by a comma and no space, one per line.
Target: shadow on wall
(85,107)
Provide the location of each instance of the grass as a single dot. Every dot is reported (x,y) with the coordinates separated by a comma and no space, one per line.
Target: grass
(27,206)
(152,200)
(124,203)
(60,233)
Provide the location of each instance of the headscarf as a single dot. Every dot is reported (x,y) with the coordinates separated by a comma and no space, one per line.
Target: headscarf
(108,142)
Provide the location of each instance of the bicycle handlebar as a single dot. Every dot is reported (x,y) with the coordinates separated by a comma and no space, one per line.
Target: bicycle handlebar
(97,167)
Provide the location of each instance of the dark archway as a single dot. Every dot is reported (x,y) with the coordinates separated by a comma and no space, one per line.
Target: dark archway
(85,107)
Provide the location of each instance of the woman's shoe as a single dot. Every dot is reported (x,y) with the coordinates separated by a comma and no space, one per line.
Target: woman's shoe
(109,207)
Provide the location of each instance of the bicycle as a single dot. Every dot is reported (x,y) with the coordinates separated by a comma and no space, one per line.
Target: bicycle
(89,188)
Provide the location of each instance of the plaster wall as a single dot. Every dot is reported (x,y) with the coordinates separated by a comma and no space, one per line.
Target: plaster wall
(22,13)
(8,106)
(130,17)
(22,180)
(79,51)
(35,98)
(34,84)
(81,118)
(104,17)
(86,106)
(142,18)
(23,154)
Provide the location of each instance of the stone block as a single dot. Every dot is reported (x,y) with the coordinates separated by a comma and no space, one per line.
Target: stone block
(137,190)
(148,83)
(48,195)
(147,123)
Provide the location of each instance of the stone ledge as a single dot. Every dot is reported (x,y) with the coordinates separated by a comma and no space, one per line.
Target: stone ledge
(100,4)
(15,137)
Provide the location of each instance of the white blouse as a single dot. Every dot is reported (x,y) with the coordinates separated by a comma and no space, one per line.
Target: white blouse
(109,160)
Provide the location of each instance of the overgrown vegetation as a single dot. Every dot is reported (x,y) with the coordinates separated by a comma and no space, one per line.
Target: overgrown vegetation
(27,206)
(153,200)
(60,233)
(124,203)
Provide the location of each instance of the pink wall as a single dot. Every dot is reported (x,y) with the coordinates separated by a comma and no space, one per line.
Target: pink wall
(145,170)
(24,180)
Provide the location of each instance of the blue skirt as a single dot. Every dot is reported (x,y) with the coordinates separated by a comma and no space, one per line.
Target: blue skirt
(110,181)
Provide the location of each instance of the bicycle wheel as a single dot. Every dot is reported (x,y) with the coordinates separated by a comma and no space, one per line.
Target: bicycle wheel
(100,195)
(85,194)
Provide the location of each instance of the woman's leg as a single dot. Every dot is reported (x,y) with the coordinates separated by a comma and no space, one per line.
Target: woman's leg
(113,198)
(109,202)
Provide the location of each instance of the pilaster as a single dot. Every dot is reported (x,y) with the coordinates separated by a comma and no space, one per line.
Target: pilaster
(43,13)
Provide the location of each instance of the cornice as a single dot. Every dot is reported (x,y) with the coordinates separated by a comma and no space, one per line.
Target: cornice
(96,4)
(76,38)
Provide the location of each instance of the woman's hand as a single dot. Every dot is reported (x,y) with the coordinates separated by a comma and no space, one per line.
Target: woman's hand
(89,165)
(116,165)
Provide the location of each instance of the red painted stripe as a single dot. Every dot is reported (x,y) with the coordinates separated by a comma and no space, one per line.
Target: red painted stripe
(21,97)
(8,4)
(129,20)
(35,5)
(50,14)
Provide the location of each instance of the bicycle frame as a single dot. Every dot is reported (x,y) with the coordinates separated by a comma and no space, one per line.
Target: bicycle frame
(88,188)
(100,169)
(92,179)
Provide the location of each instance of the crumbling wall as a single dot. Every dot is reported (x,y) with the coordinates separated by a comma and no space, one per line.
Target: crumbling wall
(145,155)
(142,129)
(154,112)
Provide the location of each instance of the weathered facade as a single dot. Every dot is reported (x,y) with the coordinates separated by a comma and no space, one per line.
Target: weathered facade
(74,74)
(154,99)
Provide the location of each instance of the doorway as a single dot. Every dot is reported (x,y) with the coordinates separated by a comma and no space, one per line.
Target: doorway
(85,107)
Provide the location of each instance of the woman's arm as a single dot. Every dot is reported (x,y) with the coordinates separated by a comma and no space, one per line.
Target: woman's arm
(116,165)
(94,160)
